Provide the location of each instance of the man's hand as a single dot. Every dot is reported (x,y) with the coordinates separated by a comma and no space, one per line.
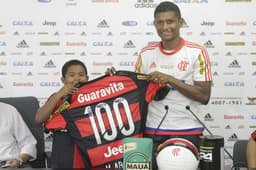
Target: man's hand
(158,77)
(13,163)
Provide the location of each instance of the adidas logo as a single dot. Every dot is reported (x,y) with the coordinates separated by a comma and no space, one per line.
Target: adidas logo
(83,54)
(103,24)
(56,34)
(22,44)
(16,33)
(234,64)
(208,117)
(109,54)
(109,34)
(29,74)
(83,34)
(233,137)
(129,44)
(2,54)
(229,54)
(202,34)
(153,65)
(136,54)
(215,74)
(228,127)
(242,33)
(208,44)
(43,54)
(49,64)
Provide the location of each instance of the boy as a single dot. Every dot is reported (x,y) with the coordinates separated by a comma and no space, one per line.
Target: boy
(64,152)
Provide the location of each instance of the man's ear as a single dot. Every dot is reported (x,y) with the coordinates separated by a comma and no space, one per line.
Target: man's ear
(181,22)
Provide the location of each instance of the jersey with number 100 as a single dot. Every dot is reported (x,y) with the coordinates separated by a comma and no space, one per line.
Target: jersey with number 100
(106,110)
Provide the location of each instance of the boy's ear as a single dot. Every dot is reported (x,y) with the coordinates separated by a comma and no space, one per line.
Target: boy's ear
(62,79)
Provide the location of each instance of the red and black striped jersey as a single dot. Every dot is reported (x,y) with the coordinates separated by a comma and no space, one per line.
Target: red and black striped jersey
(106,110)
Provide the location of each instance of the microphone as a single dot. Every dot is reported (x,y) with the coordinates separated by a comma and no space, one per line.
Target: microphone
(167,109)
(188,108)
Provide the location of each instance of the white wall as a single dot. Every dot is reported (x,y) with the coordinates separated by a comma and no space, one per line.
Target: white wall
(32,52)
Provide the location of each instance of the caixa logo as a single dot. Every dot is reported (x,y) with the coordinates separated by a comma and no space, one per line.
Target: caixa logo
(50,84)
(190,1)
(45,1)
(76,23)
(22,23)
(129,23)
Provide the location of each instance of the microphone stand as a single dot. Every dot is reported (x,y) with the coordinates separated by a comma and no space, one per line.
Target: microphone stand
(188,108)
(167,109)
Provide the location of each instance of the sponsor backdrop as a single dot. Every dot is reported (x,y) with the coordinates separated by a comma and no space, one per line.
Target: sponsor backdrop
(38,36)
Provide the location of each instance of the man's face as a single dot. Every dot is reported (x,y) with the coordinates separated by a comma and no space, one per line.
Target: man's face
(75,74)
(168,25)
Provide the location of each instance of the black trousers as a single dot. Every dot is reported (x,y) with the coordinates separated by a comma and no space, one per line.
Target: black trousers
(62,150)
(159,139)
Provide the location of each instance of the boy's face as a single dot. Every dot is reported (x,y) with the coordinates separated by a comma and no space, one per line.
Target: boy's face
(75,74)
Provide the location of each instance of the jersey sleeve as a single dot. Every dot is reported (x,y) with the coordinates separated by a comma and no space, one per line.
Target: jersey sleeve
(156,91)
(253,135)
(57,122)
(202,67)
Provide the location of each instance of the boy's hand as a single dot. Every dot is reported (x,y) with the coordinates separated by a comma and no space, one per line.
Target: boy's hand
(67,89)
(110,71)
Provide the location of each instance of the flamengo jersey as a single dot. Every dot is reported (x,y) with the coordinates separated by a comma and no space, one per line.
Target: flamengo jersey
(106,110)
(188,63)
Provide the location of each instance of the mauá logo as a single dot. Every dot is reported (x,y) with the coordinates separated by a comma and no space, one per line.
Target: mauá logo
(137,161)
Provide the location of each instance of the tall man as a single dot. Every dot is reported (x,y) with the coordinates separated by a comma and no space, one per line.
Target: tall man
(185,67)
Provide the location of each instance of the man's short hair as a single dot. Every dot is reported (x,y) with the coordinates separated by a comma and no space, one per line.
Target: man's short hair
(167,6)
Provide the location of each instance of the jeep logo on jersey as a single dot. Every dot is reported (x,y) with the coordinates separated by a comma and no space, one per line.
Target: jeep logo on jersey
(137,161)
(113,151)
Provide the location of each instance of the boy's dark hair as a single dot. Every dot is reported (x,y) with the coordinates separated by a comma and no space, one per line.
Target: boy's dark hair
(71,63)
(167,6)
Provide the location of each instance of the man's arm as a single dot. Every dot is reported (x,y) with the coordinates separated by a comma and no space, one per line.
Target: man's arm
(200,91)
(251,153)
(25,139)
